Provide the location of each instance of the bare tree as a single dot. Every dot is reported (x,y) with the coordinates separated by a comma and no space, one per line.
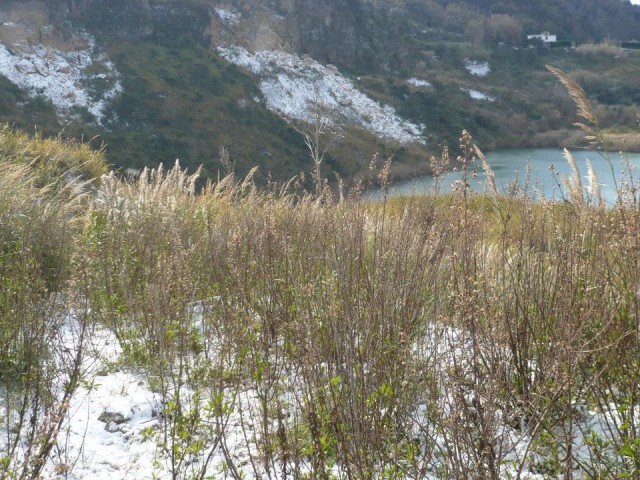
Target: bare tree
(319,136)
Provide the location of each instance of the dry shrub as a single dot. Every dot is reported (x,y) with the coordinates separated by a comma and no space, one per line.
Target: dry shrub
(39,224)
(457,336)
(605,48)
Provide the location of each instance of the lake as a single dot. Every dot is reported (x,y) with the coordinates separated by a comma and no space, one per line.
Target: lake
(510,167)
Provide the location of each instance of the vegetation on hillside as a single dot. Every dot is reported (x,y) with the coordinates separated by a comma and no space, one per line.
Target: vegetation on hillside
(181,101)
(572,20)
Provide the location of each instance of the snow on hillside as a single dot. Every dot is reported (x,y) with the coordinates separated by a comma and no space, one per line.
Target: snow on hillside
(76,78)
(294,87)
(478,95)
(418,82)
(230,17)
(480,69)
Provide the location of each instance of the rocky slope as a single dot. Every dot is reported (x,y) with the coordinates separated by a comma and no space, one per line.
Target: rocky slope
(50,59)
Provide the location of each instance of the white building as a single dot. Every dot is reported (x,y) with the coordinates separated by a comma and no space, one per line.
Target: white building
(546,37)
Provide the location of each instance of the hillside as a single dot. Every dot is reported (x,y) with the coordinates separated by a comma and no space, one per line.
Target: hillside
(157,80)
(223,323)
(574,20)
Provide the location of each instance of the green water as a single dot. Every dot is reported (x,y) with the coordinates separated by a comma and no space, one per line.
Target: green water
(540,171)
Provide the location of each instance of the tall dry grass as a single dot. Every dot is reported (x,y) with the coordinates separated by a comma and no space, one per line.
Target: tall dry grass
(41,357)
(604,48)
(447,336)
(455,336)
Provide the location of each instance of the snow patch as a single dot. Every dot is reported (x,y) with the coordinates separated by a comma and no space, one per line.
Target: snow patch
(129,451)
(230,17)
(477,95)
(295,87)
(480,69)
(102,453)
(70,79)
(417,82)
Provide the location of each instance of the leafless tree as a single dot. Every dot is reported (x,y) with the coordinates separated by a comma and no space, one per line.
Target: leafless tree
(319,136)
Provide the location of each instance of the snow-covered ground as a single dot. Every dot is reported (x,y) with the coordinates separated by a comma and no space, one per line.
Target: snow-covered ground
(480,69)
(109,432)
(230,17)
(418,82)
(478,95)
(81,78)
(295,87)
(102,450)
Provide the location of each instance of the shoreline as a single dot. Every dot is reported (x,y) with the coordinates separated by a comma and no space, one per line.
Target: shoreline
(571,139)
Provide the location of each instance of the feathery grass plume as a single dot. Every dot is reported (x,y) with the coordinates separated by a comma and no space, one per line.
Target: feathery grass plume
(580,99)
(154,190)
(160,187)
(574,182)
(248,182)
(341,187)
(491,177)
(594,186)
(438,166)
(592,132)
(222,187)
(228,166)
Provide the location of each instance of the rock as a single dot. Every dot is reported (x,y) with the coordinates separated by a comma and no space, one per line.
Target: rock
(112,427)
(112,421)
(26,67)
(42,69)
(108,417)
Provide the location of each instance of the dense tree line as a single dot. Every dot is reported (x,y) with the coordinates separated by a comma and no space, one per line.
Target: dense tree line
(371,34)
(577,20)
(380,34)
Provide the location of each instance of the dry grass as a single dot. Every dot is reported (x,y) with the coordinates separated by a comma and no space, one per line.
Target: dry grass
(448,336)
(356,311)
(50,159)
(478,313)
(623,142)
(39,228)
(604,48)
